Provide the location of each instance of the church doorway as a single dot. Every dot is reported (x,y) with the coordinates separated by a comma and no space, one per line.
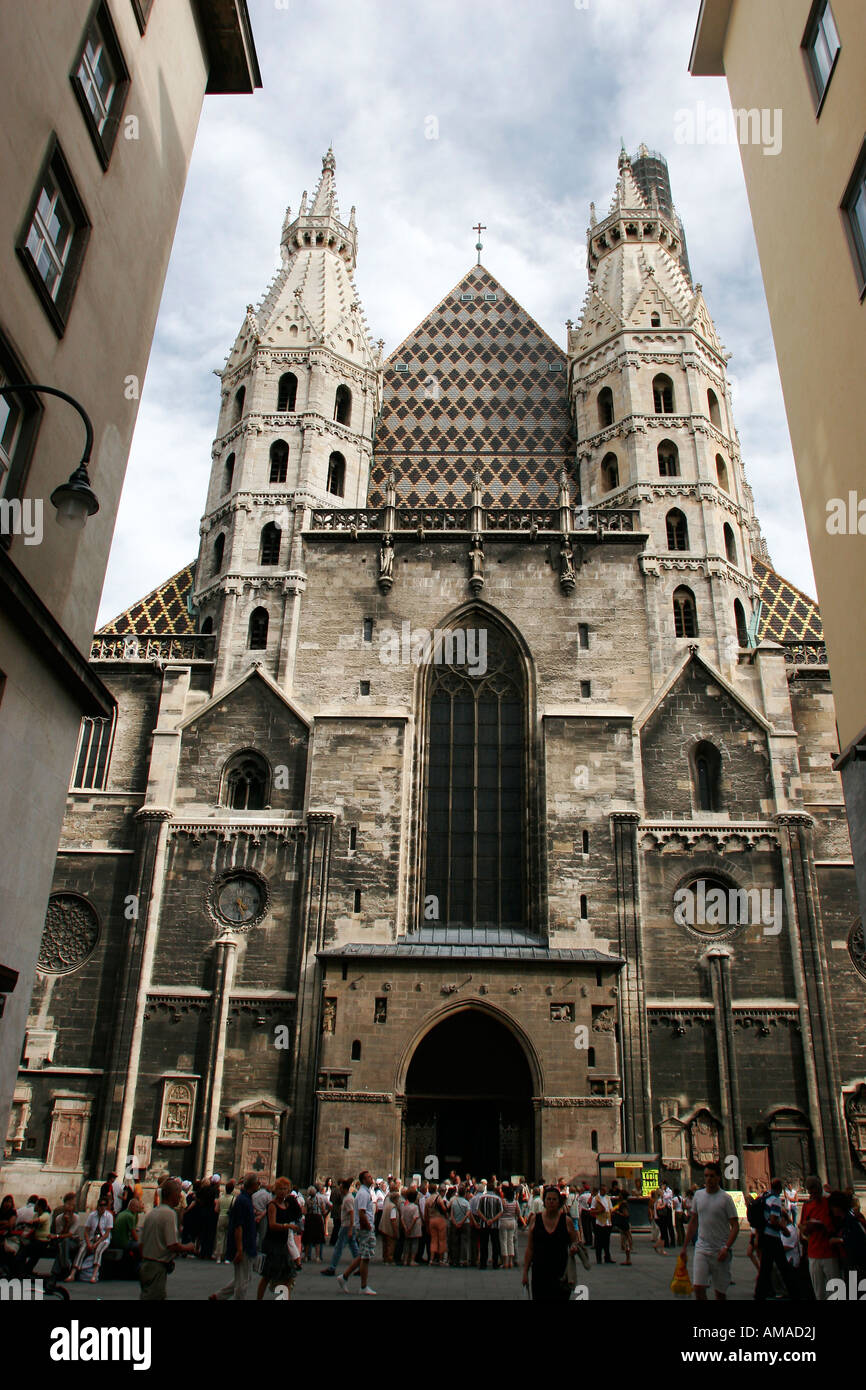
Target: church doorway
(469,1100)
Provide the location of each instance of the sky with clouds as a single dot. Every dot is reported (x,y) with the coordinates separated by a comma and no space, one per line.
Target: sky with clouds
(531,99)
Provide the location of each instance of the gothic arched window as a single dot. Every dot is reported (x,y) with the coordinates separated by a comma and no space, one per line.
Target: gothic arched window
(740,620)
(708,777)
(228,473)
(655,321)
(685,613)
(669,459)
(605,407)
(245,782)
(713,406)
(269,552)
(287,392)
(337,475)
(279,456)
(259,629)
(609,472)
(677,529)
(475,847)
(730,544)
(206,628)
(219,546)
(343,406)
(663,395)
(722,472)
(240,397)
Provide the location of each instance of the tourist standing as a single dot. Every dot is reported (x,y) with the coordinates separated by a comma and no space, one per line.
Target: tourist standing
(816,1229)
(489,1217)
(459,1229)
(436,1221)
(602,1212)
(585,1204)
(772,1252)
(714,1220)
(160,1240)
(508,1226)
(410,1220)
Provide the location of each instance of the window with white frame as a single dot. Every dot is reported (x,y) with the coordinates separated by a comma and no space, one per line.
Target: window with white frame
(94,753)
(53,237)
(49,239)
(100,79)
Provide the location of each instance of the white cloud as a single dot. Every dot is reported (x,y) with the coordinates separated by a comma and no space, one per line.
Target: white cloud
(531,101)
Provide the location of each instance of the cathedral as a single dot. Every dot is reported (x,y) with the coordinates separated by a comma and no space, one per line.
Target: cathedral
(468,802)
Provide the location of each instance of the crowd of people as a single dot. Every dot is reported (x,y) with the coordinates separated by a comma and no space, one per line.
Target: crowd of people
(798,1242)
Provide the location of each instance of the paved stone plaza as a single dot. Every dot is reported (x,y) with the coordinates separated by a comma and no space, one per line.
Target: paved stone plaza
(647,1280)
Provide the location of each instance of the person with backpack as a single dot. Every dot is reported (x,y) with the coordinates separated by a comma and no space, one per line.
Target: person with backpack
(768,1219)
(715,1222)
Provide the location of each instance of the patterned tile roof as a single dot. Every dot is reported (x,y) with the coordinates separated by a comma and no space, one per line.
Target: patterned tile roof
(789,615)
(164,611)
(486,388)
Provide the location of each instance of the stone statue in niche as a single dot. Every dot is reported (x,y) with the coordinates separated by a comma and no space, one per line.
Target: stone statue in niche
(566,565)
(386,564)
(476,563)
(329,1016)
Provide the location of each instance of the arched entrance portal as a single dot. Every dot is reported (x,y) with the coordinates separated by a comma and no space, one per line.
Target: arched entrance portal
(469,1100)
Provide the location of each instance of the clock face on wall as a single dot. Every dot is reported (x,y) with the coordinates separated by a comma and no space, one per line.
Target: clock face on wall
(240,900)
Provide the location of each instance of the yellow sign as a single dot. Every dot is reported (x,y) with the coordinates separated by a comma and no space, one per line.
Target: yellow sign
(649,1180)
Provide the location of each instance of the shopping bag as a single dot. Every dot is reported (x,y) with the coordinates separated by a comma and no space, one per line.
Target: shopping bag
(681,1285)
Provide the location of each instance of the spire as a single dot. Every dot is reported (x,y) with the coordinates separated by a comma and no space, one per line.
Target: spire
(319,225)
(325,196)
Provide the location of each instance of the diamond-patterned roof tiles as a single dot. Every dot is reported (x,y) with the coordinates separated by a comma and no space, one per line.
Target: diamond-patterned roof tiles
(164,611)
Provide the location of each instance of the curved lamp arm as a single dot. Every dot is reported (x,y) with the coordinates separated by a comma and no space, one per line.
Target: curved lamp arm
(75,500)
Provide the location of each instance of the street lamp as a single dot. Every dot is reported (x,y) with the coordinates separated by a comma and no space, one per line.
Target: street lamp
(75,500)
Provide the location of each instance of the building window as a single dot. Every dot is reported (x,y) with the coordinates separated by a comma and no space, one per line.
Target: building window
(380,1009)
(669,459)
(101,81)
(722,473)
(287,392)
(475,842)
(590,1056)
(854,213)
(730,543)
(245,782)
(605,407)
(345,1139)
(240,398)
(585,690)
(93,755)
(356,1050)
(677,530)
(368,629)
(708,777)
(142,10)
(258,638)
(713,407)
(822,47)
(609,473)
(663,395)
(343,406)
(363,687)
(593,1140)
(228,473)
(740,620)
(337,475)
(52,243)
(655,321)
(269,552)
(356,900)
(207,627)
(584,907)
(685,614)
(19,424)
(583,636)
(353,837)
(279,456)
(584,840)
(219,546)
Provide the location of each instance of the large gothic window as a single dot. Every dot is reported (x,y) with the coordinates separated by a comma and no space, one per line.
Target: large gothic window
(677,529)
(685,613)
(475,794)
(605,407)
(669,459)
(269,552)
(337,475)
(343,406)
(279,456)
(663,395)
(609,473)
(258,636)
(245,782)
(708,777)
(287,392)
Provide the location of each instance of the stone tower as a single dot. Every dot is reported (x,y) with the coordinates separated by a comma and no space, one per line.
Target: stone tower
(653,415)
(300,394)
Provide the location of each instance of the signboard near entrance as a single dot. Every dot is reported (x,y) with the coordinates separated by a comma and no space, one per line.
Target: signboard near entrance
(649,1179)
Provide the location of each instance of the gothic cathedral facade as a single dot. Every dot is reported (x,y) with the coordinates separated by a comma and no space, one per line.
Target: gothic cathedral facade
(470,797)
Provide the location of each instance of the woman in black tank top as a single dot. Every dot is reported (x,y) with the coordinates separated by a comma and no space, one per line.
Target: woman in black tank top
(551,1237)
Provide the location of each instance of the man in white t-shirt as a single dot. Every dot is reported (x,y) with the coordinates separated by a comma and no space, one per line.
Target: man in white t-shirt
(714,1218)
(365,1234)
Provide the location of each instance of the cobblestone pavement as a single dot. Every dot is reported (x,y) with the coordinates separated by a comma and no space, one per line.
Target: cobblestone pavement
(648,1280)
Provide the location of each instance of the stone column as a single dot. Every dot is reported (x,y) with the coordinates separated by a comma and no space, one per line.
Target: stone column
(718,963)
(314,906)
(810,974)
(631,1003)
(121,1080)
(226,950)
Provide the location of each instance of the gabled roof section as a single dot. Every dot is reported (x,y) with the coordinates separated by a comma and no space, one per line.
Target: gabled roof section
(163,612)
(789,615)
(485,389)
(229,690)
(685,660)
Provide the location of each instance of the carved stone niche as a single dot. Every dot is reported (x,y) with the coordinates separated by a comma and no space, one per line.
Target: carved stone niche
(704,1137)
(674,1142)
(70,1122)
(177,1111)
(257,1140)
(855,1120)
(19,1119)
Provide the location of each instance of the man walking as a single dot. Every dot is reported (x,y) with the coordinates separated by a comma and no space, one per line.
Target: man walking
(241,1241)
(365,1234)
(714,1218)
(770,1245)
(160,1240)
(346,1219)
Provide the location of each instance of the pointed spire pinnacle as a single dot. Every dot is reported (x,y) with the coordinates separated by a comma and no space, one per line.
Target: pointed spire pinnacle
(325,196)
(319,224)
